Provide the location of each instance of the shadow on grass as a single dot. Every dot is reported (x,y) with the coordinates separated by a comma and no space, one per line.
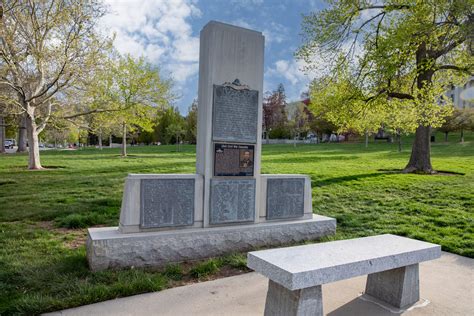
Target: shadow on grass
(308,159)
(164,167)
(355,177)
(5,182)
(437,172)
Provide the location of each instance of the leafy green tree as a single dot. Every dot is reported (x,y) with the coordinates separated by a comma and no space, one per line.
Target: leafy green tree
(169,117)
(319,124)
(460,120)
(131,94)
(410,51)
(451,124)
(46,47)
(400,119)
(191,123)
(177,130)
(5,111)
(299,123)
(340,102)
(2,134)
(466,121)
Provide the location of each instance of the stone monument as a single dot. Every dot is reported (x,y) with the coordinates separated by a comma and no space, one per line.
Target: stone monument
(227,206)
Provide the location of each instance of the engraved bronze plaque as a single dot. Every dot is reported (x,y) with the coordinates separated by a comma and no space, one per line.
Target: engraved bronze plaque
(285,198)
(235,115)
(233,160)
(232,201)
(166,202)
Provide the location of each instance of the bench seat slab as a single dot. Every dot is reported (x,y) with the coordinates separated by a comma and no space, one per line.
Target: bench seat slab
(283,302)
(398,287)
(309,265)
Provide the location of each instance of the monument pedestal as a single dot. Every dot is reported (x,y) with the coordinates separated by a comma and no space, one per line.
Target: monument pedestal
(228,205)
(108,248)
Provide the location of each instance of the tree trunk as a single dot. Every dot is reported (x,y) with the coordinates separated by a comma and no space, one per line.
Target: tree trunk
(462,135)
(110,141)
(34,162)
(100,139)
(420,159)
(22,134)
(445,136)
(366,139)
(124,140)
(399,141)
(2,135)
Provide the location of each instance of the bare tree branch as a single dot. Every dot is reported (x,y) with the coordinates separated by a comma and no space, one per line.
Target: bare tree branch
(67,117)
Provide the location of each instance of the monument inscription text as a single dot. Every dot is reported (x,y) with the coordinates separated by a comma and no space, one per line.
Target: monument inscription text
(233,160)
(285,198)
(235,115)
(166,202)
(232,201)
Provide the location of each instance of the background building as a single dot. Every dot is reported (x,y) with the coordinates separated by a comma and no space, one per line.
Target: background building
(455,95)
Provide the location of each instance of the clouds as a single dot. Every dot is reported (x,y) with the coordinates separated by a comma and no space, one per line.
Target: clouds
(273,32)
(166,32)
(159,30)
(247,3)
(294,72)
(290,70)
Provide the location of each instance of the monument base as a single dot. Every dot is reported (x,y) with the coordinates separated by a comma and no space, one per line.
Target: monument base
(108,248)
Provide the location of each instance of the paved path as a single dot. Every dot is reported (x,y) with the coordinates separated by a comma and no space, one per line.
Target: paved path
(447,288)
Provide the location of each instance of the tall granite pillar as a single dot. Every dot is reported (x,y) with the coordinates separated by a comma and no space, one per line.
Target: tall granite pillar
(168,218)
(230,122)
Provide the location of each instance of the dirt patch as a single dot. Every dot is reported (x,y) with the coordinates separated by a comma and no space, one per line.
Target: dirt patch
(45,225)
(76,238)
(224,272)
(72,238)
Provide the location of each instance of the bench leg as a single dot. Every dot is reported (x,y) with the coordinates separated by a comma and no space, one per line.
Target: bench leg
(281,301)
(399,287)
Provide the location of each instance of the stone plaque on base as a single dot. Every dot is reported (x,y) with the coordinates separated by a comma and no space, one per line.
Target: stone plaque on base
(285,198)
(232,201)
(233,160)
(235,115)
(166,202)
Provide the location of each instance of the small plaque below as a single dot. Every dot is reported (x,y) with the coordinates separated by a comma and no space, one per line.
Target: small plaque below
(233,160)
(285,198)
(166,203)
(232,201)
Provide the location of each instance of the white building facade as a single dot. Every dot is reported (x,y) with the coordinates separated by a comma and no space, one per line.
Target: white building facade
(457,95)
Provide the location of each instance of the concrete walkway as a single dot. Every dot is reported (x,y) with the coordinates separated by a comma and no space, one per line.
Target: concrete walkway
(447,288)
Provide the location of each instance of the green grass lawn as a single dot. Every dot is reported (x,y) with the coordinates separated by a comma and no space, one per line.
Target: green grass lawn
(43,214)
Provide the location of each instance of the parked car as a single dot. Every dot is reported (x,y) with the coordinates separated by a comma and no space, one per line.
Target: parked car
(9,143)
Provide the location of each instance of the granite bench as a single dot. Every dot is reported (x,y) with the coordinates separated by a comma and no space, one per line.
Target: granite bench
(297,273)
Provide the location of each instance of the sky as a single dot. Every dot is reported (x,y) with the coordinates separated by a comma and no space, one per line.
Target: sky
(166,33)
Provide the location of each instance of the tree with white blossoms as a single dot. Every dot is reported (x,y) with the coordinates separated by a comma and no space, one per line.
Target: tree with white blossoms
(406,50)
(47,46)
